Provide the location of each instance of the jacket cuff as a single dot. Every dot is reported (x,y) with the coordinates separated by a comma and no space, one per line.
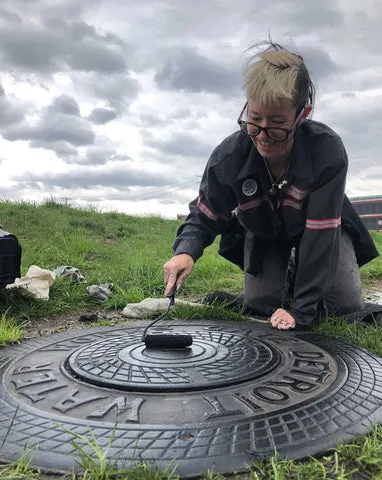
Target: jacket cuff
(186,246)
(303,321)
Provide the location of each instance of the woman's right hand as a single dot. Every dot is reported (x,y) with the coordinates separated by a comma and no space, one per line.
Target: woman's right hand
(176,270)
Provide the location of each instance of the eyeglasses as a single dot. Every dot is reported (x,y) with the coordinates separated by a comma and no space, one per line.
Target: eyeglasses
(275,134)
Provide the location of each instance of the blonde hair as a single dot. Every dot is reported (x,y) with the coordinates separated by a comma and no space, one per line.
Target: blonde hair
(278,73)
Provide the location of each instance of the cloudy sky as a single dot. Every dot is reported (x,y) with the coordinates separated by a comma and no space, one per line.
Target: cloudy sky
(119,103)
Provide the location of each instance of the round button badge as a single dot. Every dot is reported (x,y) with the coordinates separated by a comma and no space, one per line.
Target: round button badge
(249,187)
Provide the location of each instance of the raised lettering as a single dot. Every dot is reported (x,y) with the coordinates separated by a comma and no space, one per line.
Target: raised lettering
(40,395)
(278,339)
(56,347)
(319,377)
(300,363)
(32,368)
(75,342)
(270,395)
(308,355)
(220,410)
(299,386)
(70,401)
(247,401)
(38,380)
(123,405)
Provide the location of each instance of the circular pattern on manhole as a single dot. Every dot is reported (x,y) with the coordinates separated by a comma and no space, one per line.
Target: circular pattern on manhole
(240,392)
(215,359)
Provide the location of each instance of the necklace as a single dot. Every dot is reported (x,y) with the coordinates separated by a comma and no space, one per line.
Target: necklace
(277,184)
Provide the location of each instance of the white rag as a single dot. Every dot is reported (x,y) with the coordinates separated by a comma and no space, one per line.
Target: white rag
(36,283)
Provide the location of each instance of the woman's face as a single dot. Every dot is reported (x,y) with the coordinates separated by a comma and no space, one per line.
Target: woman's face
(282,116)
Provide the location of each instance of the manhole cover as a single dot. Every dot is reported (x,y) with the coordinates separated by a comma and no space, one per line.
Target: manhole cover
(238,393)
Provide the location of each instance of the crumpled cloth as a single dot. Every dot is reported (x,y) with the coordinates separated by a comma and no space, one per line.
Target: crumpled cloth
(100,293)
(150,306)
(35,283)
(72,272)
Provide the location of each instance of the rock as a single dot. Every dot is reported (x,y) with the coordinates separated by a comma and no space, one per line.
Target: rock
(100,293)
(150,306)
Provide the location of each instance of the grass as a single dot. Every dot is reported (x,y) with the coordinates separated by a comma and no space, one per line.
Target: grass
(130,252)
(96,464)
(107,247)
(11,330)
(373,270)
(21,469)
(358,460)
(364,336)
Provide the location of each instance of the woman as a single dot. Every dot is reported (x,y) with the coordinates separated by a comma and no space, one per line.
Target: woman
(280,181)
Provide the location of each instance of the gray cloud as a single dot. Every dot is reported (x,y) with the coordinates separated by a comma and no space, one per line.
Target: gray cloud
(305,17)
(100,116)
(162,195)
(319,62)
(360,128)
(12,110)
(356,78)
(359,123)
(120,157)
(117,176)
(190,71)
(98,155)
(59,127)
(10,17)
(148,119)
(62,148)
(64,104)
(46,9)
(53,44)
(192,53)
(365,19)
(152,120)
(180,144)
(119,90)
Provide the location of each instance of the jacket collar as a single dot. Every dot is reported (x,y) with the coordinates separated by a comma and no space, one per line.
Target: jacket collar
(252,164)
(300,161)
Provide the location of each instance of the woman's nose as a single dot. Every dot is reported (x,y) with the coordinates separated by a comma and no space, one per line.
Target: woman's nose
(262,135)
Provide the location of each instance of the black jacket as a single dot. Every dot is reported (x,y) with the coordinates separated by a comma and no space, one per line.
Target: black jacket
(306,213)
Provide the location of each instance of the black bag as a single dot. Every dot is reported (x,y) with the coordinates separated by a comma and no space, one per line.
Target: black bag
(10,258)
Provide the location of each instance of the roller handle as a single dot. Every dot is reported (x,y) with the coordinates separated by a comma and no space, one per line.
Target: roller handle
(171,295)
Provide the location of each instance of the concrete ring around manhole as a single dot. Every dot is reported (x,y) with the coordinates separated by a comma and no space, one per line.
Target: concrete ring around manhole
(240,392)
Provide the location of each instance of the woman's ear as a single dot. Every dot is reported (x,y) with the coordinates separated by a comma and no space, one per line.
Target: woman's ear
(306,113)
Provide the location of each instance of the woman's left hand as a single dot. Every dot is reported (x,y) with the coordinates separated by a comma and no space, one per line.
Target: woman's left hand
(282,320)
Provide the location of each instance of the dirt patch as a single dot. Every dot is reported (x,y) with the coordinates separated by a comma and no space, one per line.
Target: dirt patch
(373,292)
(77,320)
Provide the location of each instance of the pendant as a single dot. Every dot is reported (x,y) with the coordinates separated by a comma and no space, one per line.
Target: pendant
(272,191)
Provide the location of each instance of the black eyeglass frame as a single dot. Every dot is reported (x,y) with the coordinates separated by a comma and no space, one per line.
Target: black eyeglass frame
(287,131)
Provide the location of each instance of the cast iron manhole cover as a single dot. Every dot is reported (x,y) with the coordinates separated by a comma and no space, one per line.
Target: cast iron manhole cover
(238,393)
